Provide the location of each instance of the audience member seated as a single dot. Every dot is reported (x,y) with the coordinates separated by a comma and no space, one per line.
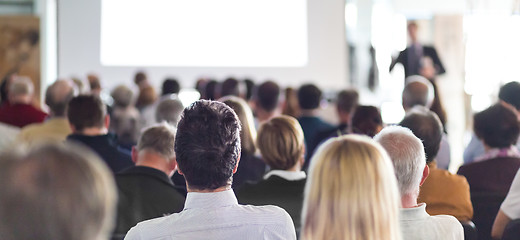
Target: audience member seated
(509,95)
(351,192)
(141,80)
(146,191)
(510,209)
(367,121)
(18,111)
(290,106)
(56,127)
(55,192)
(146,98)
(125,118)
(169,110)
(419,91)
(89,122)
(407,154)
(207,146)
(209,90)
(170,86)
(498,129)
(443,192)
(251,168)
(266,101)
(309,100)
(229,87)
(282,146)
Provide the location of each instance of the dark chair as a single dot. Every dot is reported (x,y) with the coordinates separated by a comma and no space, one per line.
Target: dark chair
(485,209)
(470,231)
(118,237)
(512,230)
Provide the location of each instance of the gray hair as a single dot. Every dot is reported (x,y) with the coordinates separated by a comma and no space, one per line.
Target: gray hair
(122,96)
(417,91)
(43,186)
(159,139)
(58,96)
(407,154)
(169,110)
(21,86)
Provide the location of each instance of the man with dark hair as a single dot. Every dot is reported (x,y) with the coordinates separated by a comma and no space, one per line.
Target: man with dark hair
(89,122)
(207,146)
(346,104)
(146,191)
(443,192)
(309,99)
(509,96)
(170,86)
(56,128)
(266,101)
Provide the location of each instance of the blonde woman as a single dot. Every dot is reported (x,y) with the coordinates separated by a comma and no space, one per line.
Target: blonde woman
(351,192)
(250,168)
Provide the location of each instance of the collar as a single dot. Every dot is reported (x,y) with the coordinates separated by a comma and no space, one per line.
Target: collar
(148,171)
(210,200)
(287,175)
(415,213)
(510,151)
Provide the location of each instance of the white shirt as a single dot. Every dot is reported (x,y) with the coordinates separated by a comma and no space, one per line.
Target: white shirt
(287,175)
(511,205)
(217,216)
(417,224)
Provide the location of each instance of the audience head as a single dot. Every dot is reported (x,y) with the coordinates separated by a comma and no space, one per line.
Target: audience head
(122,96)
(309,97)
(207,145)
(147,96)
(267,96)
(170,86)
(58,96)
(94,83)
(140,79)
(21,90)
(160,140)
(510,93)
(291,106)
(407,154)
(87,111)
(346,103)
(351,184)
(210,89)
(417,91)
(230,87)
(169,110)
(250,86)
(42,187)
(248,132)
(497,126)
(126,124)
(281,143)
(367,120)
(412,31)
(426,126)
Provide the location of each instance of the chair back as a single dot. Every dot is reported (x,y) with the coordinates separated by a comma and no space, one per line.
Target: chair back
(485,209)
(512,230)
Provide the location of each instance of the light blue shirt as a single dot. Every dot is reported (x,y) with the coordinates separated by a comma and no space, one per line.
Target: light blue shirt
(475,149)
(217,216)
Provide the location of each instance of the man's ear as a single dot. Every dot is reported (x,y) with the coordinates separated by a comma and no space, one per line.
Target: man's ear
(236,166)
(172,165)
(135,154)
(107,121)
(425,174)
(72,128)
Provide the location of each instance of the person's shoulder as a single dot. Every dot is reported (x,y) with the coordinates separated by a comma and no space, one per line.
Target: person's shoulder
(148,228)
(268,214)
(447,222)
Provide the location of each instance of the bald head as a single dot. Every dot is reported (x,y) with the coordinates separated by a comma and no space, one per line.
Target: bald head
(58,96)
(417,91)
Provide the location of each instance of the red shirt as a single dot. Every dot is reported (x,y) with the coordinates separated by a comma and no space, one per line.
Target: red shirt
(20,115)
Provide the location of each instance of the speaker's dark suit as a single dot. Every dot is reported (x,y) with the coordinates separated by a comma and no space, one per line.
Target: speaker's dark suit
(413,69)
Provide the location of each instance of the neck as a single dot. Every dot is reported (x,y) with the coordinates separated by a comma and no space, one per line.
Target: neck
(308,112)
(94,131)
(220,189)
(263,115)
(409,200)
(153,160)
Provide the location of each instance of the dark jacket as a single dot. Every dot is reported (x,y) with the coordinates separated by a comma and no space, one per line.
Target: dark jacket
(144,193)
(493,175)
(428,51)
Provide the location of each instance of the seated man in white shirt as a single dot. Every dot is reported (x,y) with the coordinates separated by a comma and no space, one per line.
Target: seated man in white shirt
(408,157)
(207,146)
(509,210)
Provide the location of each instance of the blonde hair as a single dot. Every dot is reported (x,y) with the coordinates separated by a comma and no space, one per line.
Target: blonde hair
(281,142)
(245,115)
(351,192)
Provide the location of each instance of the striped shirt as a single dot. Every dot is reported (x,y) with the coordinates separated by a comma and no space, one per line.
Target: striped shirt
(217,216)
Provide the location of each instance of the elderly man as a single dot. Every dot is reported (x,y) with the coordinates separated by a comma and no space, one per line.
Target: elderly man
(56,128)
(443,192)
(55,192)
(89,122)
(146,191)
(407,154)
(207,146)
(18,111)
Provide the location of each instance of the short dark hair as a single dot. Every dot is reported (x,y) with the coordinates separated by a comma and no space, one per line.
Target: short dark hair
(367,120)
(347,100)
(85,111)
(207,144)
(425,125)
(210,89)
(497,126)
(170,86)
(229,87)
(250,86)
(510,93)
(267,96)
(139,77)
(309,96)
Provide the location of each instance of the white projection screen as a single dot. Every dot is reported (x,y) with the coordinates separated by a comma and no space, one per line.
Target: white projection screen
(289,41)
